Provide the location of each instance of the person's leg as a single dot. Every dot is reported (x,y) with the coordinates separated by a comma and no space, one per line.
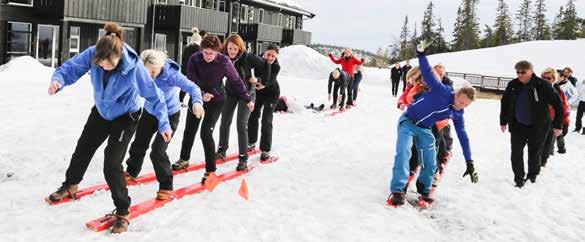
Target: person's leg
(518,139)
(578,119)
(404,143)
(191,127)
(548,142)
(253,120)
(242,127)
(147,126)
(335,94)
(535,148)
(182,96)
(350,91)
(394,88)
(212,113)
(561,140)
(448,138)
(160,159)
(356,86)
(425,143)
(93,135)
(227,115)
(267,117)
(403,83)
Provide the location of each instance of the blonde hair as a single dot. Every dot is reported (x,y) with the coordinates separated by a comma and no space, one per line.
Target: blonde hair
(553,72)
(414,75)
(153,58)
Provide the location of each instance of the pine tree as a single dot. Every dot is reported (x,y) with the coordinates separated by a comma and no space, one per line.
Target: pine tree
(458,30)
(524,21)
(428,23)
(488,38)
(404,44)
(503,26)
(466,31)
(557,24)
(570,22)
(439,42)
(540,28)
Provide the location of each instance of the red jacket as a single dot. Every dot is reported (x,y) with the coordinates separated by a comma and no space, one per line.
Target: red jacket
(566,108)
(348,65)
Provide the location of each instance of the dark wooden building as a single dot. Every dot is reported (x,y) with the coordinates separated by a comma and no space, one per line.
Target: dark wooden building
(52,31)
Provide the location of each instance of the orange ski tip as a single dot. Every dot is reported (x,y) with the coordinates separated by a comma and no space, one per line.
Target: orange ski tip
(243,191)
(211,182)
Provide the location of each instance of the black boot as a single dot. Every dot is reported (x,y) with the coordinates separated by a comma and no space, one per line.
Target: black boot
(251,147)
(205,175)
(220,155)
(395,199)
(242,163)
(264,156)
(532,178)
(519,182)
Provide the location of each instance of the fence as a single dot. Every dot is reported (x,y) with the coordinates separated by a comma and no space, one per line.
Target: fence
(489,83)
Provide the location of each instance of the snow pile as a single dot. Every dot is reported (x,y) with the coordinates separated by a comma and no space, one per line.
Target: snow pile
(304,62)
(24,64)
(500,61)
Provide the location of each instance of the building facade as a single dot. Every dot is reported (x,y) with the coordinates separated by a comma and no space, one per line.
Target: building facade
(53,31)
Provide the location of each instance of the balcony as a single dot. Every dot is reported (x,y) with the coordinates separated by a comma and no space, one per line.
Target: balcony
(296,37)
(185,17)
(261,32)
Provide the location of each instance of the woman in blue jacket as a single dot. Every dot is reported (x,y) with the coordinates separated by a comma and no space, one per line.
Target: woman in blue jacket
(168,77)
(119,79)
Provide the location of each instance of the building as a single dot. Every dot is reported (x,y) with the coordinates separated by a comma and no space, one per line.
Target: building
(52,31)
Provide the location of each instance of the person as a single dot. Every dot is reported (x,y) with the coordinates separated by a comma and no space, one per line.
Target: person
(356,83)
(395,75)
(525,109)
(348,63)
(581,107)
(415,125)
(118,78)
(405,69)
(338,80)
(446,146)
(192,47)
(167,77)
(552,77)
(207,68)
(267,94)
(568,73)
(246,64)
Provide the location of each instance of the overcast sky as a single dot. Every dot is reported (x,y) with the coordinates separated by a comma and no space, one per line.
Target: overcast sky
(369,24)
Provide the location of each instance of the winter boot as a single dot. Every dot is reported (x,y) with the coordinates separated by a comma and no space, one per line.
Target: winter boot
(322,106)
(424,201)
(532,178)
(163,194)
(519,182)
(264,156)
(333,106)
(120,224)
(395,199)
(220,155)
(63,192)
(180,165)
(243,163)
(205,175)
(251,147)
(129,178)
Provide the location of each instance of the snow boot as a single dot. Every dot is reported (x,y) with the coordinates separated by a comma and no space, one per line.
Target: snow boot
(264,156)
(180,165)
(424,201)
(519,182)
(322,106)
(205,175)
(532,178)
(395,199)
(242,163)
(120,224)
(63,192)
(220,155)
(164,194)
(251,147)
(333,106)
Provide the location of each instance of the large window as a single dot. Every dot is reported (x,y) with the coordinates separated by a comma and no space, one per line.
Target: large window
(21,2)
(235,17)
(19,39)
(160,42)
(261,16)
(222,6)
(74,39)
(244,14)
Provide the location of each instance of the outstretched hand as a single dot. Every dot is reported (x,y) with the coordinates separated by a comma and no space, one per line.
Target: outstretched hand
(471,172)
(54,87)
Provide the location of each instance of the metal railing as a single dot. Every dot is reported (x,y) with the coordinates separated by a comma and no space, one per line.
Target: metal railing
(483,82)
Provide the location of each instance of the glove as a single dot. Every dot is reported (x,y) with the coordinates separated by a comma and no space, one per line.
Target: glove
(198,110)
(471,172)
(423,45)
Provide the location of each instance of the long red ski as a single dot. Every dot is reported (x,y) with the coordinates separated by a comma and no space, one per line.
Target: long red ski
(147,178)
(106,221)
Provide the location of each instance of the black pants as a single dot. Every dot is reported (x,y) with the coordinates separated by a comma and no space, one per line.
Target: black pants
(350,91)
(147,127)
(404,83)
(395,83)
(580,111)
(212,112)
(265,107)
(227,115)
(356,86)
(338,89)
(119,132)
(521,136)
(560,140)
(547,147)
(182,96)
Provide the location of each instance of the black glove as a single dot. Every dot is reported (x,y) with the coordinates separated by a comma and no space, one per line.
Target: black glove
(471,172)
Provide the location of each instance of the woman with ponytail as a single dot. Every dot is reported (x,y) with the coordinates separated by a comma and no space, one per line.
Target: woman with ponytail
(119,79)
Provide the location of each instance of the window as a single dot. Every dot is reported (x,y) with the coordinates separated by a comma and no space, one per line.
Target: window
(182,2)
(18,41)
(251,15)
(74,38)
(244,14)
(293,22)
(261,16)
(210,4)
(160,42)
(21,2)
(222,6)
(279,20)
(235,17)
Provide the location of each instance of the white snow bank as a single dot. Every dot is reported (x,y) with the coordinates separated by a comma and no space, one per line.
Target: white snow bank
(24,64)
(304,62)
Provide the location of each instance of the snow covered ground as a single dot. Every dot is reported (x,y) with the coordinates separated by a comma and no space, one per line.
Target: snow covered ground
(330,184)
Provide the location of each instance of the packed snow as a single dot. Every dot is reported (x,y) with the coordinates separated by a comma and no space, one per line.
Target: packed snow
(330,184)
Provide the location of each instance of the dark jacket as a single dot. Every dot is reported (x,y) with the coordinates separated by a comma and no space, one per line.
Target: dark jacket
(188,51)
(405,70)
(396,73)
(541,95)
(573,80)
(272,88)
(244,65)
(341,81)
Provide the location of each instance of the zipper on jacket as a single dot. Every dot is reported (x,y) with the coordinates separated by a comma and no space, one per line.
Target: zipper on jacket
(535,95)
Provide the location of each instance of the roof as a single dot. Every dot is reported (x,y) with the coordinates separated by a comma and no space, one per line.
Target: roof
(288,5)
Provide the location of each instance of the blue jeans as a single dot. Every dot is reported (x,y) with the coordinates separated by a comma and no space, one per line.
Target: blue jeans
(425,144)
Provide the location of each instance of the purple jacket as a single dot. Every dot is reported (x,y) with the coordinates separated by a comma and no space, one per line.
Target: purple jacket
(209,76)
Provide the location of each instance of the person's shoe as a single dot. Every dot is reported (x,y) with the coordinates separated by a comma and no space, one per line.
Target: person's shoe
(63,192)
(180,165)
(395,199)
(341,109)
(120,224)
(563,151)
(204,178)
(163,194)
(532,178)
(519,182)
(251,147)
(333,106)
(583,133)
(321,107)
(220,155)
(312,106)
(242,163)
(129,178)
(264,156)
(424,201)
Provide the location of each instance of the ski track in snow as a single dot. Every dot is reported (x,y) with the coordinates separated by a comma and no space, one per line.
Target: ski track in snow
(330,184)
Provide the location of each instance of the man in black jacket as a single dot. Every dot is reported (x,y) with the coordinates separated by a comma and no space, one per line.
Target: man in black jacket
(395,75)
(568,72)
(525,109)
(338,81)
(405,69)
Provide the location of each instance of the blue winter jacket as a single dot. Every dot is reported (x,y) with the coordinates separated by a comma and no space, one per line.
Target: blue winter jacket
(170,80)
(436,105)
(125,85)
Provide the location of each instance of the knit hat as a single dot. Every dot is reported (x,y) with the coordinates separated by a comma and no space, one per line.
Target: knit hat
(196,37)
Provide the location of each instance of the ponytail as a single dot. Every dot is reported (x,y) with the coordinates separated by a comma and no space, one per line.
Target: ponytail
(109,46)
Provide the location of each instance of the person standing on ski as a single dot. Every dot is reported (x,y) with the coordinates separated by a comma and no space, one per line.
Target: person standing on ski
(188,51)
(245,64)
(356,83)
(207,68)
(552,77)
(395,75)
(338,80)
(118,78)
(405,69)
(525,110)
(415,126)
(168,78)
(267,94)
(348,63)
(445,154)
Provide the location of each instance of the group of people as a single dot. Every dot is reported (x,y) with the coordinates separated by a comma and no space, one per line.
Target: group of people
(396,74)
(348,77)
(120,76)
